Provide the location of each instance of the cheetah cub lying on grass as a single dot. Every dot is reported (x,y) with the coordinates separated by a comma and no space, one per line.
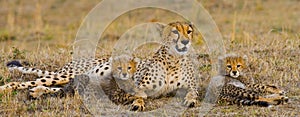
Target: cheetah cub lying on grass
(238,89)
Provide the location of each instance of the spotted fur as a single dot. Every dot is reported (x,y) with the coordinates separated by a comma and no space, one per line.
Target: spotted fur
(169,69)
(241,90)
(62,77)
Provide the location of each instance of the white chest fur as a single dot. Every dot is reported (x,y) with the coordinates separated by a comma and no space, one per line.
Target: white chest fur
(236,83)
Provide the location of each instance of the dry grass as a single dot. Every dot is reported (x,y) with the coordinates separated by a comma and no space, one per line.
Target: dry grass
(42,33)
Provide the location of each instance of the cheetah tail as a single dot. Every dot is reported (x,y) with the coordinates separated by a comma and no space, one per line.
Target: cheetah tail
(14,64)
(252,102)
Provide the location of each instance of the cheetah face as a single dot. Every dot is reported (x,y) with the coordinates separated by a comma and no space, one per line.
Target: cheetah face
(123,68)
(234,70)
(234,66)
(180,37)
(123,72)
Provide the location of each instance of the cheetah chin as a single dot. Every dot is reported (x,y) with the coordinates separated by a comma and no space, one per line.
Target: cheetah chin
(182,50)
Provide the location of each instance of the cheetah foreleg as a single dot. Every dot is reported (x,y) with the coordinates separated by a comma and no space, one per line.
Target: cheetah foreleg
(40,90)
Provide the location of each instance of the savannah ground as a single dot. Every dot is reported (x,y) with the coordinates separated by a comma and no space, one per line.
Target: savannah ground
(41,34)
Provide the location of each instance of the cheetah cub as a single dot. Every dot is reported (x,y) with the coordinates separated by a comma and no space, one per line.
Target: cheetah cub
(238,89)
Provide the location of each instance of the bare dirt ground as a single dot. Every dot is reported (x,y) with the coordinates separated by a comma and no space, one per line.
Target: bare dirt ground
(41,34)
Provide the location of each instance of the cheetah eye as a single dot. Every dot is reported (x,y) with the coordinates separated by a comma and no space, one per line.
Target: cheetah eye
(189,31)
(229,66)
(119,68)
(238,66)
(129,68)
(175,31)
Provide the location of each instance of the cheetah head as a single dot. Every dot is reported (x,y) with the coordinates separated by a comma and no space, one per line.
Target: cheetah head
(178,36)
(123,67)
(232,65)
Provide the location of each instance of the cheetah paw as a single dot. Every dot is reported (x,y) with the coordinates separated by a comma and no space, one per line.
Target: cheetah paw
(138,105)
(190,103)
(40,90)
(190,99)
(282,100)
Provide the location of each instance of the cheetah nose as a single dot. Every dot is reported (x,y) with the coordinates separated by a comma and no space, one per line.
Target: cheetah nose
(234,72)
(184,42)
(124,74)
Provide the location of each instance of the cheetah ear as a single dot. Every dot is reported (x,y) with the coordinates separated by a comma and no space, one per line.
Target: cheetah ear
(134,58)
(221,60)
(191,25)
(195,31)
(221,65)
(137,60)
(111,59)
(245,58)
(160,27)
